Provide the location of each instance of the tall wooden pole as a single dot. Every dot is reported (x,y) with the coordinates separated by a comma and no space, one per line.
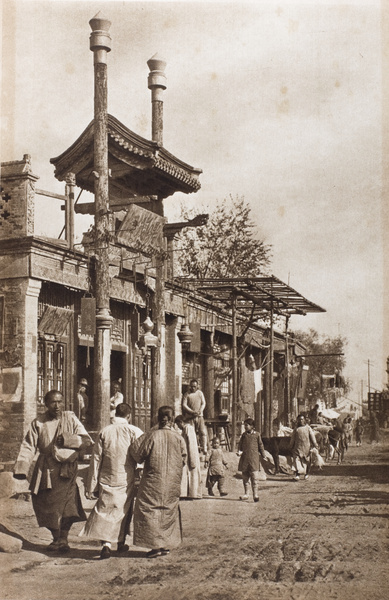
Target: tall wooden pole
(287,386)
(156,82)
(368,377)
(100,46)
(268,426)
(69,208)
(234,415)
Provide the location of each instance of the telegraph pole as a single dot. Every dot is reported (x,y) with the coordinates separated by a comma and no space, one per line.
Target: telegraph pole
(368,376)
(100,44)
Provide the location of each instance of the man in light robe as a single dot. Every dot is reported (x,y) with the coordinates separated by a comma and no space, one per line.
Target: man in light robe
(58,436)
(157,519)
(193,405)
(301,442)
(82,401)
(111,476)
(191,473)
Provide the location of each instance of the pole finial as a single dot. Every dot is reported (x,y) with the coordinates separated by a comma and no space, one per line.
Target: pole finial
(157,77)
(100,38)
(100,23)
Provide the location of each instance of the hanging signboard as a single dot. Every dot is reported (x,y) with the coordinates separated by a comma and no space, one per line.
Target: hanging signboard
(88,316)
(142,230)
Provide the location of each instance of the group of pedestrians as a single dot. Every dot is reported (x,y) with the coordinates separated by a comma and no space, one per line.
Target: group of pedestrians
(59,436)
(168,456)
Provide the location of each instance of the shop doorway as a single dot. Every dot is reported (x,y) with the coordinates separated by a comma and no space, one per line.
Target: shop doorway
(141,408)
(118,370)
(85,358)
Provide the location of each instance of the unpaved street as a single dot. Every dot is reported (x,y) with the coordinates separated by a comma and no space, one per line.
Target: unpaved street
(321,538)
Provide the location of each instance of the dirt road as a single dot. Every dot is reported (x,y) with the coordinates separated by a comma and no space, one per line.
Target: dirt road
(321,538)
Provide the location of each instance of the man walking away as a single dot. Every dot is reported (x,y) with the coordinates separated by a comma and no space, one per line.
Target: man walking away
(112,476)
(157,520)
(301,442)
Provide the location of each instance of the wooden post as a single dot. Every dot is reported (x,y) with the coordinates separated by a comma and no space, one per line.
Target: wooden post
(234,415)
(157,84)
(286,381)
(268,408)
(100,46)
(158,381)
(69,209)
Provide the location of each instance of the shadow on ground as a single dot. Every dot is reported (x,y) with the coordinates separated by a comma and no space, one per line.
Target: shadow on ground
(378,473)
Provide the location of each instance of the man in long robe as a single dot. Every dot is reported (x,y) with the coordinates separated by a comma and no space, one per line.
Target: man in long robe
(301,442)
(82,401)
(57,436)
(157,520)
(191,473)
(111,475)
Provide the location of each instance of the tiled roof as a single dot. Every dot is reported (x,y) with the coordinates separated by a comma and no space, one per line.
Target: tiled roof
(138,166)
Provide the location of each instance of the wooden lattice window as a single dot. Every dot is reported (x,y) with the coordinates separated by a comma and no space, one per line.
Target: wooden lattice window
(51,368)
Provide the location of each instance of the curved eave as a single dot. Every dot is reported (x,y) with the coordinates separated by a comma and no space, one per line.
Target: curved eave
(143,159)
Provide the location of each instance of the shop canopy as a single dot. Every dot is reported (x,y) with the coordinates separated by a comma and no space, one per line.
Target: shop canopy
(330,413)
(253,297)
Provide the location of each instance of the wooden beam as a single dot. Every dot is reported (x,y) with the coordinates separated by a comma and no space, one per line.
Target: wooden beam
(115,205)
(51,194)
(171,229)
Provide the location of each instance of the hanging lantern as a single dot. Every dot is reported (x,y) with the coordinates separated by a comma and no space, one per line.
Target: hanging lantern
(147,340)
(148,325)
(185,335)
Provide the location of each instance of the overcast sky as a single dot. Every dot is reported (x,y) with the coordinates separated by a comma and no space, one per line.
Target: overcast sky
(279,102)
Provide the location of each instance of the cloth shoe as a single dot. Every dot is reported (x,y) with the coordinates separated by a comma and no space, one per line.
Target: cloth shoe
(105,552)
(53,547)
(224,493)
(63,546)
(154,553)
(122,547)
(296,478)
(256,499)
(243,497)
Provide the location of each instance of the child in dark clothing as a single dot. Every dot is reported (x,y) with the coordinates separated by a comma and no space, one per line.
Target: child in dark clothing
(359,432)
(216,467)
(250,446)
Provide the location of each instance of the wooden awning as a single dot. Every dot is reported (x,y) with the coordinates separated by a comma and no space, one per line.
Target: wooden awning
(255,297)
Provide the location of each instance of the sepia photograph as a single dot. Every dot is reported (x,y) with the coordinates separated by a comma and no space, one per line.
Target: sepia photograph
(194,314)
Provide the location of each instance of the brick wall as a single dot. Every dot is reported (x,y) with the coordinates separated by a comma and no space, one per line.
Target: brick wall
(17,363)
(17,199)
(18,308)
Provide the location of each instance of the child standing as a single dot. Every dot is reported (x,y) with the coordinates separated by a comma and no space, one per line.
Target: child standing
(250,446)
(359,432)
(216,467)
